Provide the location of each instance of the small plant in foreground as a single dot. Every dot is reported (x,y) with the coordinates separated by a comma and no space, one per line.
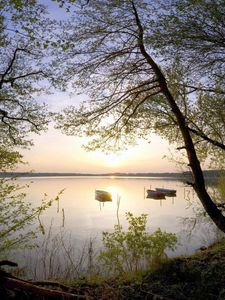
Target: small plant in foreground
(19,222)
(135,249)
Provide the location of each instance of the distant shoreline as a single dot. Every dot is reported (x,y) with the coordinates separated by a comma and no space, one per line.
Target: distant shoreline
(50,174)
(207,173)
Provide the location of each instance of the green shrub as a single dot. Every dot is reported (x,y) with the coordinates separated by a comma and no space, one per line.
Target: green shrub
(135,249)
(19,221)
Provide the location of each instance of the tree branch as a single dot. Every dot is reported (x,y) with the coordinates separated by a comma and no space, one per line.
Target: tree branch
(13,79)
(206,138)
(23,119)
(11,63)
(204,89)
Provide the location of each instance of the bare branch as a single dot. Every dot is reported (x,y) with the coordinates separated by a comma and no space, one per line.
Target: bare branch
(205,89)
(13,79)
(11,63)
(207,138)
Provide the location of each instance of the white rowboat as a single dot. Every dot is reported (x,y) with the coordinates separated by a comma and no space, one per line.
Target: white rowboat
(103,196)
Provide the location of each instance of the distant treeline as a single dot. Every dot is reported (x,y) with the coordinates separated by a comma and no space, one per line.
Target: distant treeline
(184,175)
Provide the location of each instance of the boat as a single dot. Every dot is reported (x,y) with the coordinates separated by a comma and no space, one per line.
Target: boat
(155,194)
(167,192)
(103,196)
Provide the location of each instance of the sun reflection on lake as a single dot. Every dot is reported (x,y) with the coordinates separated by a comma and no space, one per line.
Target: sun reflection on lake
(114,192)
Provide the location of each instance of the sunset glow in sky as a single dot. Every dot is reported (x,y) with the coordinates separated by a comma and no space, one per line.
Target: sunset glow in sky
(55,152)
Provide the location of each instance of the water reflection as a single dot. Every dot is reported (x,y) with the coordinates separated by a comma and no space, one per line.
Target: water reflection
(110,194)
(82,217)
(112,190)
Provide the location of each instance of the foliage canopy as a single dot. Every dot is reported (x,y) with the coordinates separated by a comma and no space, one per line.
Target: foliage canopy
(103,59)
(113,52)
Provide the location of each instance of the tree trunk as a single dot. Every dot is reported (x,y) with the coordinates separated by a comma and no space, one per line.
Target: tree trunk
(199,182)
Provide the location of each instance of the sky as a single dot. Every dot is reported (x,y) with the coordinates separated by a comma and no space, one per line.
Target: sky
(56,152)
(53,151)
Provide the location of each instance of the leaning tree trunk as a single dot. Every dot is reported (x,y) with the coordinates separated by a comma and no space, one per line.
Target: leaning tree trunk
(199,182)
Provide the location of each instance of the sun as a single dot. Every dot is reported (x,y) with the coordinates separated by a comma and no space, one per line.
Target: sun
(111,160)
(115,160)
(114,192)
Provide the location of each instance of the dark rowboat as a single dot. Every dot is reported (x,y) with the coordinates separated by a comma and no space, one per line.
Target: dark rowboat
(167,192)
(155,194)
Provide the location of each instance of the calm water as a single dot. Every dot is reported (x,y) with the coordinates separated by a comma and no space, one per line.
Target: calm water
(84,217)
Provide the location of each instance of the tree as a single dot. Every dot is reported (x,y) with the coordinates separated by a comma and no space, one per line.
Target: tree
(110,57)
(24,40)
(24,32)
(192,33)
(203,113)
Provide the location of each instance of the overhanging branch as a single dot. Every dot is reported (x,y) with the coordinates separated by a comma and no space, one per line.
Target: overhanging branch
(205,89)
(206,138)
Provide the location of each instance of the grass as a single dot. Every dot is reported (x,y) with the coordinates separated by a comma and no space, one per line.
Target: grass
(197,277)
(200,276)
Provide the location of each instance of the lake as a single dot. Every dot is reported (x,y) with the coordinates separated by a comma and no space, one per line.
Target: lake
(83,217)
